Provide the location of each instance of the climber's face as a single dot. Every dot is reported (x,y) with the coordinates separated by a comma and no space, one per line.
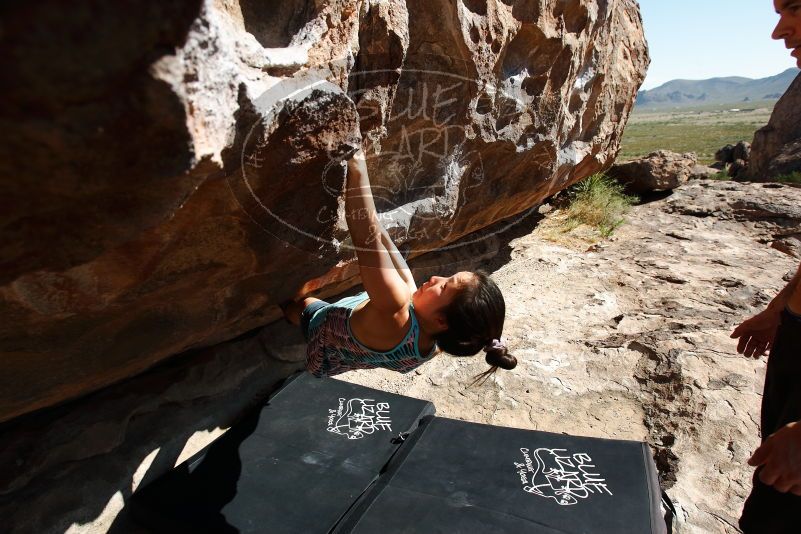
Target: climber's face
(788,28)
(433,297)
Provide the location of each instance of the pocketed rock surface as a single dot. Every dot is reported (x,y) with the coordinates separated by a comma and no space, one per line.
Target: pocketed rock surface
(629,339)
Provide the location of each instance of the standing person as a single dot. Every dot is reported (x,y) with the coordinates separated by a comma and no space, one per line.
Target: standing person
(394,324)
(774,505)
(775,501)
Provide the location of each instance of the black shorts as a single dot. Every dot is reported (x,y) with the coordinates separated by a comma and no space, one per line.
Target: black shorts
(767,510)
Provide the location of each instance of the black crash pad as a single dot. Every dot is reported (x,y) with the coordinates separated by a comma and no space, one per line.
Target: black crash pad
(458,477)
(295,465)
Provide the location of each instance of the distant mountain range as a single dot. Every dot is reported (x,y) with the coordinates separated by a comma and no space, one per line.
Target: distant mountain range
(730,90)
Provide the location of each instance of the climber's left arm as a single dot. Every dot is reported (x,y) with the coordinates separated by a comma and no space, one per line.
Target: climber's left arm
(388,291)
(397,259)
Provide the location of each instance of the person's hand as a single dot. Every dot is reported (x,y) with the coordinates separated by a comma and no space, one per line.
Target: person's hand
(356,162)
(780,458)
(756,334)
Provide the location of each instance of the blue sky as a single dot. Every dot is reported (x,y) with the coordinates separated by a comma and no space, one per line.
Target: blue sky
(699,39)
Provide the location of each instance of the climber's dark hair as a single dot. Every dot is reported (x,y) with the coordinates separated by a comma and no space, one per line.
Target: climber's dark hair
(475,318)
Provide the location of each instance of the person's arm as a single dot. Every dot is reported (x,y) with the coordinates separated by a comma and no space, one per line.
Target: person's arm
(781,300)
(397,259)
(756,333)
(780,459)
(794,293)
(388,291)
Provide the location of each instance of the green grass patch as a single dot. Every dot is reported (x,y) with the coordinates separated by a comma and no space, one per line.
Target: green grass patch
(599,202)
(721,175)
(640,139)
(792,178)
(703,131)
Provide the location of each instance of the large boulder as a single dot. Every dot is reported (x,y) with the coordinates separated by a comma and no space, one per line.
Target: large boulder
(734,158)
(170,171)
(742,151)
(658,171)
(703,171)
(741,156)
(775,149)
(725,154)
(788,160)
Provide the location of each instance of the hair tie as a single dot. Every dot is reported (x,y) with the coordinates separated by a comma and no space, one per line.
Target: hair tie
(494,344)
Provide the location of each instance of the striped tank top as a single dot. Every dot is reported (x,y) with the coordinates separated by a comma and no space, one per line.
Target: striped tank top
(333,349)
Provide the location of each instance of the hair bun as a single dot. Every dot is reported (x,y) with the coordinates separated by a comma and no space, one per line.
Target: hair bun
(500,357)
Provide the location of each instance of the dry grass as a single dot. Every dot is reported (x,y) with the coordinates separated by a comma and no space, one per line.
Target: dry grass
(595,207)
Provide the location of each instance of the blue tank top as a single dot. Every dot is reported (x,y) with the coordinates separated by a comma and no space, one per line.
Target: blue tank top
(333,348)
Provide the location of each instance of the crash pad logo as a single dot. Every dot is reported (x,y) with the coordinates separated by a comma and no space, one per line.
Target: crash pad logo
(356,418)
(556,474)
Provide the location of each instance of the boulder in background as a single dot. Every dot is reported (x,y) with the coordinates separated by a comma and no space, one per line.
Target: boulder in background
(658,171)
(775,149)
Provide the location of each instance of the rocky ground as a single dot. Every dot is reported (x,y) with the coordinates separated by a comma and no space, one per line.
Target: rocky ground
(629,338)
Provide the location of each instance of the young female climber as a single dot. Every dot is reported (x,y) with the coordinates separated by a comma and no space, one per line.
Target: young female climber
(394,324)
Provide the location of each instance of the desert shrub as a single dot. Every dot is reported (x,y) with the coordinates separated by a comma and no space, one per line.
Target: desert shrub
(597,201)
(793,178)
